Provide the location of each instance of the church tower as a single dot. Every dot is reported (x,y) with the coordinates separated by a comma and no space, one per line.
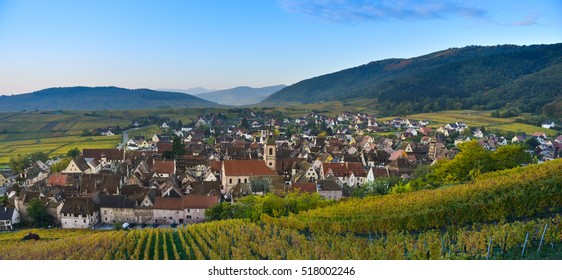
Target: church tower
(270,151)
(432,149)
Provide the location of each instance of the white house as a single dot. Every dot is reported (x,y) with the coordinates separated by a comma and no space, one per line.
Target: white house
(8,217)
(548,125)
(79,212)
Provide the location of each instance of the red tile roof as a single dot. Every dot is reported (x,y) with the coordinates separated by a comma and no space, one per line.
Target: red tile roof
(344,169)
(57,179)
(216,165)
(164,166)
(247,168)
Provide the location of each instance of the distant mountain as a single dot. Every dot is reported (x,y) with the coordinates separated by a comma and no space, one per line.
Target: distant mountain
(99,98)
(192,91)
(524,78)
(239,96)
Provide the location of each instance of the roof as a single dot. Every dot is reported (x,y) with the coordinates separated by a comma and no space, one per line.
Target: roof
(216,165)
(79,205)
(328,185)
(165,166)
(246,168)
(116,201)
(345,169)
(186,202)
(6,213)
(57,179)
(305,187)
(110,154)
(81,163)
(163,146)
(98,182)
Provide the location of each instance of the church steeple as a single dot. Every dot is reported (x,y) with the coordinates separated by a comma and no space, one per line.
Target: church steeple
(270,151)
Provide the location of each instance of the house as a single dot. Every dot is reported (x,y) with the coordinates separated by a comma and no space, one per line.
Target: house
(548,125)
(57,179)
(518,138)
(164,125)
(105,156)
(478,133)
(164,168)
(34,174)
(240,171)
(558,139)
(116,208)
(185,210)
(79,212)
(107,133)
(81,165)
(104,183)
(8,217)
(425,130)
(349,173)
(329,189)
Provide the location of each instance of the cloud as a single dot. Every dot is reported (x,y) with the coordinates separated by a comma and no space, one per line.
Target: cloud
(525,22)
(380,10)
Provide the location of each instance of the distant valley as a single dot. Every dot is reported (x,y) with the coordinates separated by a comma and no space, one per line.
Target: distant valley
(240,96)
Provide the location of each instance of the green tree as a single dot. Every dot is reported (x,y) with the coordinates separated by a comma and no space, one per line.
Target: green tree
(19,163)
(39,156)
(510,156)
(178,147)
(472,160)
(61,165)
(72,153)
(37,210)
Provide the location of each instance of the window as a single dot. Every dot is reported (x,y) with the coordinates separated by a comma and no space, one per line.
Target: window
(188,217)
(270,151)
(239,181)
(230,181)
(270,163)
(245,180)
(188,210)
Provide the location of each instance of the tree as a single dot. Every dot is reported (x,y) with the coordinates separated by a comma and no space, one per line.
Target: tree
(178,148)
(472,160)
(72,153)
(510,156)
(19,163)
(39,156)
(61,165)
(37,210)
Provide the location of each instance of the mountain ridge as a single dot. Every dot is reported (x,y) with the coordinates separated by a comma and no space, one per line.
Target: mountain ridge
(82,98)
(241,95)
(457,77)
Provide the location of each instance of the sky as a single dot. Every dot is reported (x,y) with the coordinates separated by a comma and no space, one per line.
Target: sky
(218,44)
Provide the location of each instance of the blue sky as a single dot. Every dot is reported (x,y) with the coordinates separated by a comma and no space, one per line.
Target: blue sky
(226,43)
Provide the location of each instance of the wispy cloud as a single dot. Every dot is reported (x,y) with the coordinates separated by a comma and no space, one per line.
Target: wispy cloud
(525,22)
(380,10)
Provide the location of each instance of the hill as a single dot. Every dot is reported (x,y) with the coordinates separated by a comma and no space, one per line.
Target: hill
(473,77)
(240,96)
(99,98)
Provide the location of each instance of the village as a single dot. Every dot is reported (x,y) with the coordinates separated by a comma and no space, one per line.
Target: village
(173,178)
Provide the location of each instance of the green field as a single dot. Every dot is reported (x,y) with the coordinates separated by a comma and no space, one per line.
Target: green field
(148,131)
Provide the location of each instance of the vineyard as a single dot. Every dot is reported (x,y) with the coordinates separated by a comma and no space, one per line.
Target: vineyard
(243,240)
(503,195)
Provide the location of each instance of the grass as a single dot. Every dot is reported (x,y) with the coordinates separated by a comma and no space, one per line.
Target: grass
(147,131)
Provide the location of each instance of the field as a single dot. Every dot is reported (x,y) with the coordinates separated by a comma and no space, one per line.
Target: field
(147,132)
(244,240)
